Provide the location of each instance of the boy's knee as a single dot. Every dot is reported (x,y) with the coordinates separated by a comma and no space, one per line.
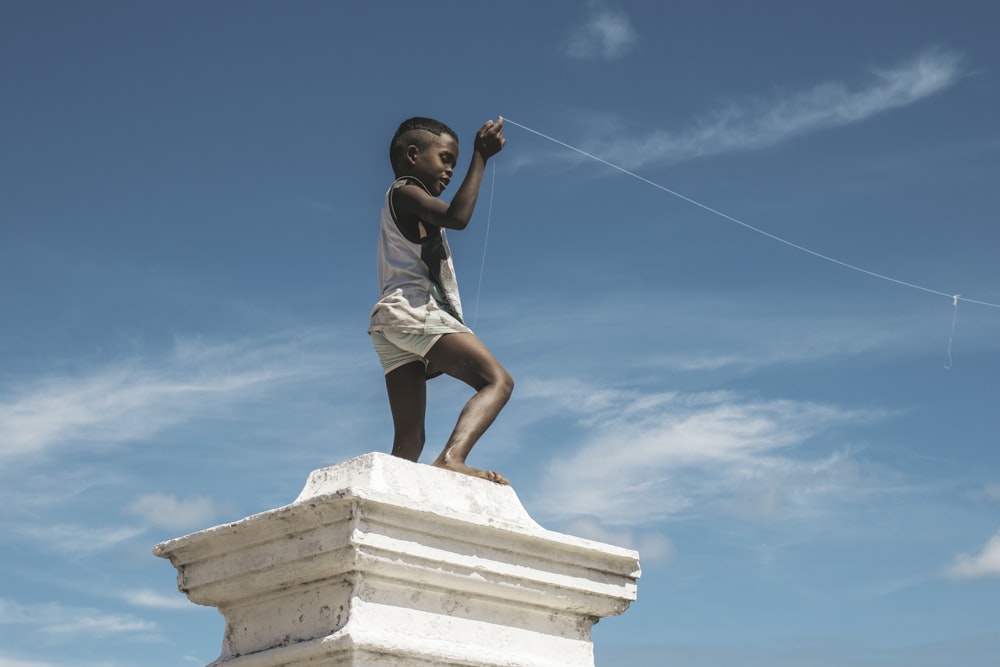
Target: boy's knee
(499,381)
(506,383)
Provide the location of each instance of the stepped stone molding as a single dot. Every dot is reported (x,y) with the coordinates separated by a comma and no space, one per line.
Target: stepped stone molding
(383,563)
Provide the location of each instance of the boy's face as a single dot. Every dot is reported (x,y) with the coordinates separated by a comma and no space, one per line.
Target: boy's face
(435,163)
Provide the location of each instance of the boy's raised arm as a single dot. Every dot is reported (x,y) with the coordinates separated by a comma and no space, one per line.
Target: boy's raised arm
(457,214)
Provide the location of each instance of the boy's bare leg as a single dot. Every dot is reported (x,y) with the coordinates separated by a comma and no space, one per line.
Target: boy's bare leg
(465,357)
(407,389)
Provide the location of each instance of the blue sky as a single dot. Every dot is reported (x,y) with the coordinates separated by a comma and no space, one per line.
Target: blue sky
(189,207)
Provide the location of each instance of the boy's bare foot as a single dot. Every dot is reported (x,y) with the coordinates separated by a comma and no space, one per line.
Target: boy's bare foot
(490,475)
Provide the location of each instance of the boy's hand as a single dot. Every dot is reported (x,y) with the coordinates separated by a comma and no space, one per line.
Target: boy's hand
(489,139)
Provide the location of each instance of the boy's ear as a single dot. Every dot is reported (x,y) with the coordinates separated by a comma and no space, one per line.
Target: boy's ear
(412,153)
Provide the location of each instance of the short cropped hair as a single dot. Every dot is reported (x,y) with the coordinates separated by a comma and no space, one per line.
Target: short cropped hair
(417,131)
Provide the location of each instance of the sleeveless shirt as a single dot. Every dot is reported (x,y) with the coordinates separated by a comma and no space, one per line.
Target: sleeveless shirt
(417,284)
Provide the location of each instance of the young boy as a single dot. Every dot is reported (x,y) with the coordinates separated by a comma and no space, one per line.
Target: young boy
(417,326)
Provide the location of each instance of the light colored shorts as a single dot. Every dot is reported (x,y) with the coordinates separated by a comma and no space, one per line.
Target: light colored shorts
(396,349)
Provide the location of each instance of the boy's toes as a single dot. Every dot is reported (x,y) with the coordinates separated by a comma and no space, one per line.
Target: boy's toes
(490,475)
(494,476)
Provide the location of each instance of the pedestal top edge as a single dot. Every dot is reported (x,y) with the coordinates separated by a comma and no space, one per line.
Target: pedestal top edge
(392,481)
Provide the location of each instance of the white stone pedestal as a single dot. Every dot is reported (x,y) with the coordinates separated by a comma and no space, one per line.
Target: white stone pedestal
(381,562)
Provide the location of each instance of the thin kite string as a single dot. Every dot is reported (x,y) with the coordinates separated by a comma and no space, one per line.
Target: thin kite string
(951,337)
(749,226)
(482,267)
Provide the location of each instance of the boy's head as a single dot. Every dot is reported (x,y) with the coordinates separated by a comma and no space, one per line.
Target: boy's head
(420,134)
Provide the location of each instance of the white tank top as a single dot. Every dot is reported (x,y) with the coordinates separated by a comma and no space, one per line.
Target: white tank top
(417,284)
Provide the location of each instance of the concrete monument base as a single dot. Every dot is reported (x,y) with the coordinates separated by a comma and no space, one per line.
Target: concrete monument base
(381,562)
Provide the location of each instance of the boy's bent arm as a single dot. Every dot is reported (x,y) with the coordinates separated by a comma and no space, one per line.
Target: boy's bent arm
(456,215)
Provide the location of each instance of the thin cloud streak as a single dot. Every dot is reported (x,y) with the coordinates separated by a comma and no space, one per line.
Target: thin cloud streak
(167,511)
(766,340)
(78,539)
(762,124)
(54,619)
(138,398)
(654,546)
(14,662)
(153,600)
(991,492)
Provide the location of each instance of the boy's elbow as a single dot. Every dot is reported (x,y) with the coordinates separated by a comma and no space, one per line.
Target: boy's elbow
(451,222)
(456,218)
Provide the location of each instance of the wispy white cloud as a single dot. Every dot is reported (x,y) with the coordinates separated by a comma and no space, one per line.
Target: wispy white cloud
(100,625)
(14,662)
(57,620)
(10,661)
(741,342)
(153,600)
(78,539)
(761,123)
(606,34)
(651,456)
(137,398)
(989,492)
(977,566)
(653,546)
(28,492)
(168,511)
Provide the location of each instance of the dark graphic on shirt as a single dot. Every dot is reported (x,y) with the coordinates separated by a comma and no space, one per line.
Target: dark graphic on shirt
(434,254)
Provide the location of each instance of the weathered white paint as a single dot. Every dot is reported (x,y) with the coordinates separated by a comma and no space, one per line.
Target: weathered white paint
(381,563)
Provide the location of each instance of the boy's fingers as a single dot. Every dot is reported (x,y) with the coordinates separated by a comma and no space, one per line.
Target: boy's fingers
(492,133)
